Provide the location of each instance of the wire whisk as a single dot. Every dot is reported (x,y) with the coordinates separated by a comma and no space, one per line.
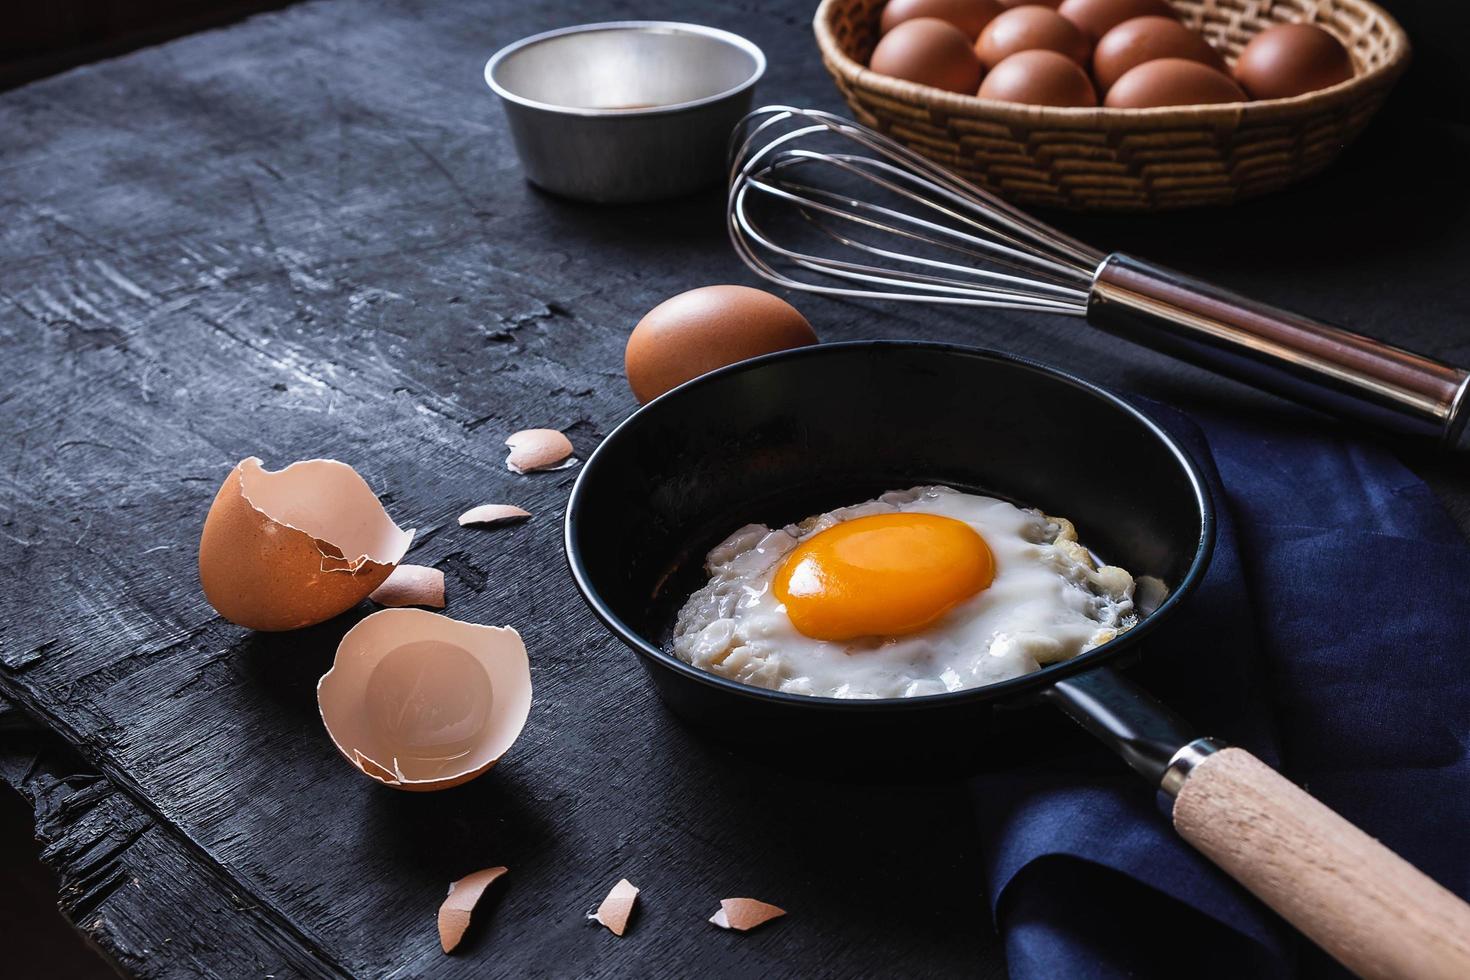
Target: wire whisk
(825,205)
(1010,260)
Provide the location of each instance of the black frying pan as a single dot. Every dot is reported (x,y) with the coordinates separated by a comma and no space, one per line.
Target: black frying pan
(775,439)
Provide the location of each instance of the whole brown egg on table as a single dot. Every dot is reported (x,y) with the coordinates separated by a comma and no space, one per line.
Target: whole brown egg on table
(1122,54)
(707,328)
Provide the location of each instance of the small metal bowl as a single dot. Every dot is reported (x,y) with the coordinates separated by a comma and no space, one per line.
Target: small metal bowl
(626,111)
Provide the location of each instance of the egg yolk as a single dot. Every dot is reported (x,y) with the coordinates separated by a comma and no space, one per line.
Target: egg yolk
(884,575)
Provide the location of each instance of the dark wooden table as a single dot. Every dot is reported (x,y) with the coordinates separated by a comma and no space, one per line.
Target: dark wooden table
(308,235)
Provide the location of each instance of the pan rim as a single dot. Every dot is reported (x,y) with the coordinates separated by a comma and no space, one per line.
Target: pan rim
(1031,683)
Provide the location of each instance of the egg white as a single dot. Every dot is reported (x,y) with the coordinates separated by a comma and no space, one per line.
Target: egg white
(1049,601)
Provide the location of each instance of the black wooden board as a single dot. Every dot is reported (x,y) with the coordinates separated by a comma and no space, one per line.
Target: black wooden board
(307,235)
(148,902)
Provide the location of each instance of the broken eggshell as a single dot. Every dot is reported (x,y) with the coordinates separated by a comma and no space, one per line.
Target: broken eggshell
(419,701)
(411,585)
(294,547)
(493,514)
(464,895)
(538,449)
(616,909)
(744,914)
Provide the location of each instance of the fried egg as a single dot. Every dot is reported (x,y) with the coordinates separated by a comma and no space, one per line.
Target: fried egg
(918,592)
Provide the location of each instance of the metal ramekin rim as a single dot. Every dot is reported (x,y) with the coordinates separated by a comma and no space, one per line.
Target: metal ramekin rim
(666,26)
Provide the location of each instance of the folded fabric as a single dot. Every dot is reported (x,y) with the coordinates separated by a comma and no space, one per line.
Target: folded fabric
(1331,636)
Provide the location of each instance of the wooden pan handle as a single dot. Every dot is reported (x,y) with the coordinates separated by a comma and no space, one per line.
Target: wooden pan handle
(1366,906)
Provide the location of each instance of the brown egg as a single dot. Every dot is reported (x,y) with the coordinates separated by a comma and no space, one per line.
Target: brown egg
(1053,4)
(928,51)
(969,16)
(1030,28)
(1290,59)
(1097,17)
(1039,78)
(290,548)
(1171,81)
(707,328)
(1146,39)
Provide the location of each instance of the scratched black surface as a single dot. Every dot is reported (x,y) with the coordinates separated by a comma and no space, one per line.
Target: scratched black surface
(307,235)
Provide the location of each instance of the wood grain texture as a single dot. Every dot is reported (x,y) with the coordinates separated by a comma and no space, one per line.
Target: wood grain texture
(308,235)
(1366,906)
(133,888)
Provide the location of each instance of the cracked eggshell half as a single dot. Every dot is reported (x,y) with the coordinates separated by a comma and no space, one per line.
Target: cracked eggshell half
(419,701)
(294,547)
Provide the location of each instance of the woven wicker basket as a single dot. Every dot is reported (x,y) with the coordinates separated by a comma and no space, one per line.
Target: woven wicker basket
(1130,159)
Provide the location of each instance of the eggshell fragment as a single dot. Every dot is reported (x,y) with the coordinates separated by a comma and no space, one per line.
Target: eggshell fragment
(419,701)
(617,907)
(464,895)
(493,514)
(411,585)
(294,547)
(538,449)
(744,914)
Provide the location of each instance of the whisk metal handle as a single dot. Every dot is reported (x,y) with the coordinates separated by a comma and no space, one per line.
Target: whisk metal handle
(1311,362)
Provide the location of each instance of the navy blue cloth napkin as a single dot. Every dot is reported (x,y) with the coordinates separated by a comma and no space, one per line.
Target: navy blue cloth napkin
(1331,636)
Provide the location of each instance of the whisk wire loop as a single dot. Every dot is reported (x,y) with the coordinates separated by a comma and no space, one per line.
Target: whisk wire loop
(913,210)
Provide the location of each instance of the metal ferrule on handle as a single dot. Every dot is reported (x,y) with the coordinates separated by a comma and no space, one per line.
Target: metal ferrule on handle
(1311,362)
